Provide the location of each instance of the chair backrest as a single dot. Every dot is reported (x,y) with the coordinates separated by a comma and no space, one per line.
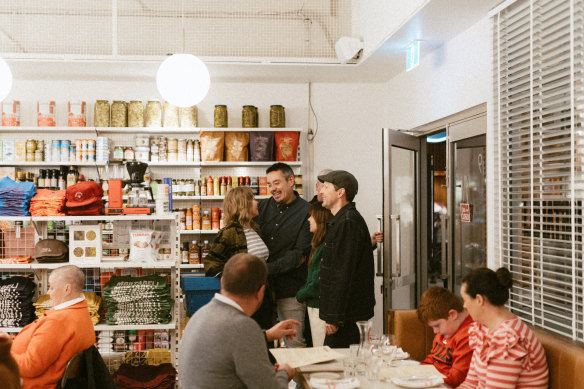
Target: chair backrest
(409,333)
(72,369)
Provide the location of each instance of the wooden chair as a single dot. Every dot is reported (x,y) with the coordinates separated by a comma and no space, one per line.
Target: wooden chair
(410,333)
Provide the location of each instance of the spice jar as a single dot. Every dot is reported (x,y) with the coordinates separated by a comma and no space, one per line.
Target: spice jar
(249,118)
(220,116)
(101,117)
(129,154)
(277,116)
(118,153)
(119,114)
(135,114)
(153,114)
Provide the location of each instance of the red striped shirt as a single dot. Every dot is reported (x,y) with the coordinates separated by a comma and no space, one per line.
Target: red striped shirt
(510,357)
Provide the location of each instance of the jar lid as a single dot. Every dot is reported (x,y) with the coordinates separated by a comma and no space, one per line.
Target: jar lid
(220,105)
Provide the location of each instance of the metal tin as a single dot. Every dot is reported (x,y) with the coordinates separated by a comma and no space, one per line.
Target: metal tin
(31,145)
(220,116)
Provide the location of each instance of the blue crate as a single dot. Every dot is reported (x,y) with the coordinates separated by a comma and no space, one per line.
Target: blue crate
(199,291)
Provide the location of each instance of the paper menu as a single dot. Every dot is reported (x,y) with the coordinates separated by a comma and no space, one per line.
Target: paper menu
(296,357)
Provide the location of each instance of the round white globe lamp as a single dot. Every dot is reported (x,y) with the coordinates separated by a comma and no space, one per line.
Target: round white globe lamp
(183,80)
(5,79)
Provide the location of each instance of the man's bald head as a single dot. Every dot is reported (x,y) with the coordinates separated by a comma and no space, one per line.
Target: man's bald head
(69,274)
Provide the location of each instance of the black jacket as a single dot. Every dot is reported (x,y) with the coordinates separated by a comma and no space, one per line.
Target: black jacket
(347,270)
(286,231)
(93,374)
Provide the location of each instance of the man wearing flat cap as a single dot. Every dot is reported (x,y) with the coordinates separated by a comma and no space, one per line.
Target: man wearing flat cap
(346,271)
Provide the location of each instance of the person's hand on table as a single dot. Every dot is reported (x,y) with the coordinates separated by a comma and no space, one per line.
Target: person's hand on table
(330,329)
(290,371)
(283,329)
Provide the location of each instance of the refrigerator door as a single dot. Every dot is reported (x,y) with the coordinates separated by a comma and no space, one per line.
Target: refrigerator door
(401,220)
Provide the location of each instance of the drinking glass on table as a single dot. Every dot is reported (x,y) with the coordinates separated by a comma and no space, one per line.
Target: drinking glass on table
(388,350)
(350,363)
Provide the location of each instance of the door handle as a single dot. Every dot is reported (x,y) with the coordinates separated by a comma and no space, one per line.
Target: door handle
(379,272)
(443,223)
(397,273)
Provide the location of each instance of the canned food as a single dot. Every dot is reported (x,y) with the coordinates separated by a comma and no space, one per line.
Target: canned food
(31,145)
(136,114)
(277,116)
(46,114)
(101,114)
(182,145)
(30,156)
(142,141)
(172,156)
(40,145)
(76,114)
(142,154)
(170,112)
(172,144)
(188,116)
(153,114)
(11,113)
(90,144)
(119,114)
(220,116)
(39,156)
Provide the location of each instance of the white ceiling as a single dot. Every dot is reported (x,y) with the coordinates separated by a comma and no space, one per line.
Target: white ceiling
(438,22)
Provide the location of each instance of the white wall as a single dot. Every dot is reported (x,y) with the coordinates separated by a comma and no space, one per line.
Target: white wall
(375,21)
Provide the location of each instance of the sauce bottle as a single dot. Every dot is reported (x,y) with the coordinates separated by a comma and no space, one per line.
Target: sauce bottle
(206,221)
(194,253)
(189,219)
(210,186)
(205,250)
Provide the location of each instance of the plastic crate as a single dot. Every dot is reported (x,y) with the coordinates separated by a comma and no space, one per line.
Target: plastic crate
(199,291)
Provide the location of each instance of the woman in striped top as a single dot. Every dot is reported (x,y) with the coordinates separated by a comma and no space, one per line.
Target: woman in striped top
(506,352)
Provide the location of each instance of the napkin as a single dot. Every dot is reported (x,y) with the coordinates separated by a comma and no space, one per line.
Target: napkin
(325,383)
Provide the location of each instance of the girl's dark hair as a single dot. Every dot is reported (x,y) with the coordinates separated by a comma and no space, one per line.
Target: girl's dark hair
(321,215)
(494,286)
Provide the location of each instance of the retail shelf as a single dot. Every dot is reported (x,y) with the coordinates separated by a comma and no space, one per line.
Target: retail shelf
(210,197)
(198,232)
(88,218)
(223,163)
(11,329)
(110,265)
(192,266)
(70,163)
(106,327)
(15,266)
(139,130)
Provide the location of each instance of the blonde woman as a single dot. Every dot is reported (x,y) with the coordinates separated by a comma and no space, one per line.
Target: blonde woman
(240,234)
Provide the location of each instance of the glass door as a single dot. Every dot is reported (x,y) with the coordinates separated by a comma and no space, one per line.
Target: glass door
(398,267)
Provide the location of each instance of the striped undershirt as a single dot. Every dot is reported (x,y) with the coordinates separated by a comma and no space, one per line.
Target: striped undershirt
(510,357)
(255,244)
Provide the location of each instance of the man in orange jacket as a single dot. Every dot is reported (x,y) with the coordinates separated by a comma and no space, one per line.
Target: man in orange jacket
(43,348)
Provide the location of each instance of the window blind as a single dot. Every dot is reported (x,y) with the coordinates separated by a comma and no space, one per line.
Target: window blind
(538,53)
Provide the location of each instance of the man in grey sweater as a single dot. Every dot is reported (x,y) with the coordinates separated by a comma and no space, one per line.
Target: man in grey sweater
(222,347)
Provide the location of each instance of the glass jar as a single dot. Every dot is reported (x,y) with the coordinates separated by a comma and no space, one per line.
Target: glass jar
(136,114)
(119,114)
(188,116)
(129,154)
(220,116)
(277,116)
(101,117)
(170,115)
(153,114)
(118,153)
(249,118)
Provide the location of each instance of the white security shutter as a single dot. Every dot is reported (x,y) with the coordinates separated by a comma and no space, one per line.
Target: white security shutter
(539,102)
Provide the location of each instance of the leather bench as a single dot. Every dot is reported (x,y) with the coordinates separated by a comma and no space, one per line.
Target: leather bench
(409,333)
(565,361)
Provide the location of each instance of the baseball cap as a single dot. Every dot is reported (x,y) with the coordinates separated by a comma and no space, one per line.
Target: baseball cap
(50,250)
(342,179)
(83,193)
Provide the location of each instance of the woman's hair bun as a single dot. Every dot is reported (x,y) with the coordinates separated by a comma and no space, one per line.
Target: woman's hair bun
(504,277)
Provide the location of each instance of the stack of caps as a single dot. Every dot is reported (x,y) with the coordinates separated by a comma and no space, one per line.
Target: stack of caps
(84,198)
(137,300)
(48,203)
(15,197)
(51,251)
(16,309)
(44,303)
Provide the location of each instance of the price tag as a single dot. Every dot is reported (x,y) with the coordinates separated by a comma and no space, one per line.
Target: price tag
(465,213)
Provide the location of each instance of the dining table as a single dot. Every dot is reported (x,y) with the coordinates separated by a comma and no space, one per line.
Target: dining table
(335,368)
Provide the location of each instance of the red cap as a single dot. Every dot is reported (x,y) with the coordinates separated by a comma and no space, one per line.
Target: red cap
(83,193)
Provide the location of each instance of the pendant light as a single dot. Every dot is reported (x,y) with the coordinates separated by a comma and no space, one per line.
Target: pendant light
(5,79)
(183,80)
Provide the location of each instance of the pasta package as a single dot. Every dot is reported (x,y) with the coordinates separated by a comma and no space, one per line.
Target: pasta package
(236,146)
(212,143)
(286,145)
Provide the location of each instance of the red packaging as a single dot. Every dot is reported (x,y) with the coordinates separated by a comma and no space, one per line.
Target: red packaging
(46,114)
(11,114)
(76,114)
(286,145)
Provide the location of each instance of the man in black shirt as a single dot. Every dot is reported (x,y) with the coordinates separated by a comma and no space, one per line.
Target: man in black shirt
(283,220)
(346,270)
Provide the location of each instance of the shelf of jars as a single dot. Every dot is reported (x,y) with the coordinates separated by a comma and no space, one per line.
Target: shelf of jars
(198,232)
(89,218)
(142,130)
(44,163)
(192,266)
